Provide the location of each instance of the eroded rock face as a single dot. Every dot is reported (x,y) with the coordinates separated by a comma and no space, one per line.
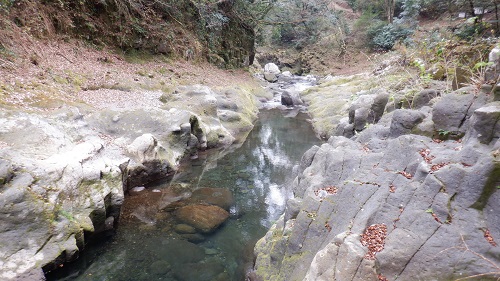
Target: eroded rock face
(435,201)
(63,174)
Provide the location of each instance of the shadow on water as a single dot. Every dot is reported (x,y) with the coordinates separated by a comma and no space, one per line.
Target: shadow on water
(250,183)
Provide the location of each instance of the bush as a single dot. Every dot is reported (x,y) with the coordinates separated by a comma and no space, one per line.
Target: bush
(385,36)
(471,30)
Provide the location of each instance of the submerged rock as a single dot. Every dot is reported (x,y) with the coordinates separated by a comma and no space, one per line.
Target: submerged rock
(202,217)
(221,197)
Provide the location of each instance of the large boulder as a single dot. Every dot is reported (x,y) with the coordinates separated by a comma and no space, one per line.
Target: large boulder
(291,99)
(452,112)
(271,72)
(367,109)
(485,123)
(388,207)
(404,120)
(202,217)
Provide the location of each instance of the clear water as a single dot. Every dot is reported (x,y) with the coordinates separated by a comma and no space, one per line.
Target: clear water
(146,246)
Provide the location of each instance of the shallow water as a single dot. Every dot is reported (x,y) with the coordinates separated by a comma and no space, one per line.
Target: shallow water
(147,246)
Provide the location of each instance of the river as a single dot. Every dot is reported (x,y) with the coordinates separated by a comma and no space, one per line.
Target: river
(148,246)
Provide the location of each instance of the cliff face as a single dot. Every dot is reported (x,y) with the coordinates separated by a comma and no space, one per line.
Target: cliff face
(388,203)
(187,29)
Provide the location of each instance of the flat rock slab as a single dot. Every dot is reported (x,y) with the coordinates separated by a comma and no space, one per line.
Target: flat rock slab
(202,217)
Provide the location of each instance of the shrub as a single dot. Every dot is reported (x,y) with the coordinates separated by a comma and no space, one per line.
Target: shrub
(384,37)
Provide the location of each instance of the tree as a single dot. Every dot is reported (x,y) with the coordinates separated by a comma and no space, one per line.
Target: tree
(390,6)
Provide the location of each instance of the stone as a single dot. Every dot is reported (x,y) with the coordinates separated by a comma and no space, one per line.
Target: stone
(485,123)
(184,229)
(291,99)
(176,252)
(160,267)
(423,98)
(221,197)
(271,68)
(270,77)
(193,238)
(271,72)
(202,217)
(366,109)
(493,71)
(6,173)
(404,120)
(199,271)
(450,112)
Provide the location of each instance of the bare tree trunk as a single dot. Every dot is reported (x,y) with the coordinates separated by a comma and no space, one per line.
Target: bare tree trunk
(390,5)
(497,31)
(471,7)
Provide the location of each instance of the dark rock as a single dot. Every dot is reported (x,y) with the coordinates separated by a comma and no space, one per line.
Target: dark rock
(201,272)
(175,252)
(160,267)
(423,98)
(291,99)
(202,217)
(451,111)
(184,229)
(404,120)
(485,123)
(221,197)
(194,238)
(367,109)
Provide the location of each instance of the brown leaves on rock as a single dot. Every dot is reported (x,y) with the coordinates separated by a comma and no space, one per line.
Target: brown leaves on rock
(328,227)
(374,239)
(436,167)
(489,238)
(382,278)
(328,189)
(425,153)
(405,174)
(392,188)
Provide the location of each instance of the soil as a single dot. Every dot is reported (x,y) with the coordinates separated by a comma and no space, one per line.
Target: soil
(43,74)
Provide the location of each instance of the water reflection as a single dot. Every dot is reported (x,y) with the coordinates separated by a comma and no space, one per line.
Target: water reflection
(151,243)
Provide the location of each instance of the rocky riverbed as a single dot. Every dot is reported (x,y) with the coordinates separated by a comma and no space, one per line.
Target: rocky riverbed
(406,188)
(64,171)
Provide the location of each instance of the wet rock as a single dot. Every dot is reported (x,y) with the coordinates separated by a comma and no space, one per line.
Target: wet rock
(221,197)
(194,238)
(136,190)
(291,99)
(204,218)
(160,267)
(184,229)
(176,252)
(201,272)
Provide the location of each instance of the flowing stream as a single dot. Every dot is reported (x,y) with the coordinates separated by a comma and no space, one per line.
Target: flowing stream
(150,244)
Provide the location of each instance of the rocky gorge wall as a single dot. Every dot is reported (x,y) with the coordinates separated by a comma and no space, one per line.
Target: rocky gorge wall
(64,172)
(405,189)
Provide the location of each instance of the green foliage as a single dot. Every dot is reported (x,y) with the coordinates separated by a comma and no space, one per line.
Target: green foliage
(297,23)
(471,30)
(6,4)
(384,37)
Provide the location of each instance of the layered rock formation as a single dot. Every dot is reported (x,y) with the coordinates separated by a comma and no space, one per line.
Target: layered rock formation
(64,173)
(408,195)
